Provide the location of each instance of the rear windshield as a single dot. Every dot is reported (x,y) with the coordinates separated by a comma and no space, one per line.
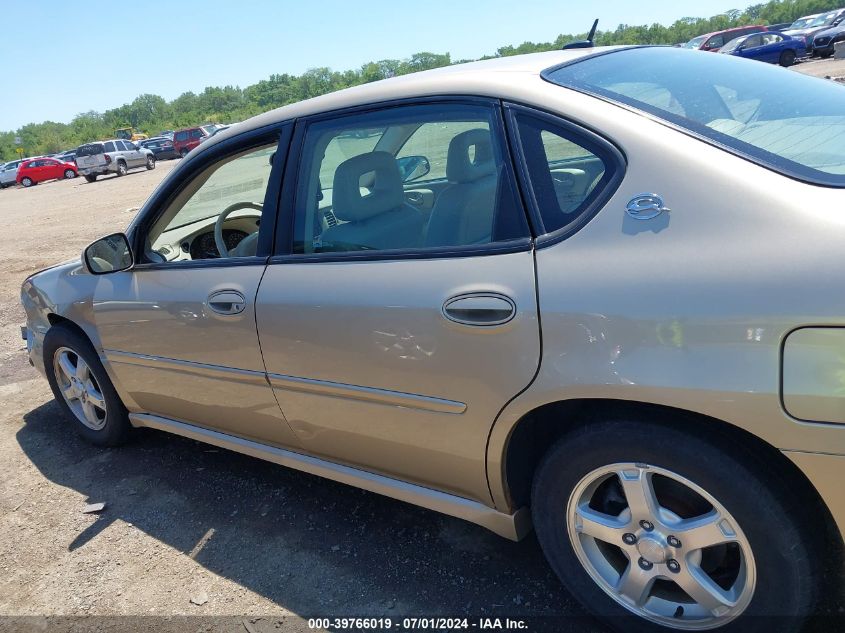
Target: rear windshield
(91,149)
(781,119)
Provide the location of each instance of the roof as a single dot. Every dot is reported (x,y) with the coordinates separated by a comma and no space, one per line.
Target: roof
(458,79)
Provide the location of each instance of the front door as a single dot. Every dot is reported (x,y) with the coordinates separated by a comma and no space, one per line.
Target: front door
(393,332)
(179,328)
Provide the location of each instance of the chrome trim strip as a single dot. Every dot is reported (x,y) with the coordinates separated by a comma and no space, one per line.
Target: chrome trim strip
(511,526)
(369,394)
(218,372)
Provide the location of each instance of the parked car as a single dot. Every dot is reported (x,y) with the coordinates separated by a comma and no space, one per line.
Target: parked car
(187,139)
(506,328)
(712,42)
(68,156)
(825,41)
(167,134)
(115,156)
(774,48)
(161,147)
(33,171)
(801,23)
(9,173)
(821,22)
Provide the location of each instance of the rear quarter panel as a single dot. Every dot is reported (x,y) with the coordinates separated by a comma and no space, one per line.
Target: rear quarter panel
(689,309)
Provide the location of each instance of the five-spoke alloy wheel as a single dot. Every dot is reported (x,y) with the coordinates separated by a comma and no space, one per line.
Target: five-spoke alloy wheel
(656,526)
(82,387)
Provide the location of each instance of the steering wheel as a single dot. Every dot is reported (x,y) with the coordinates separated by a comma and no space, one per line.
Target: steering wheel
(218,226)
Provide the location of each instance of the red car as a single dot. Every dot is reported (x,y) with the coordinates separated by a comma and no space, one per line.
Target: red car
(187,139)
(714,41)
(36,170)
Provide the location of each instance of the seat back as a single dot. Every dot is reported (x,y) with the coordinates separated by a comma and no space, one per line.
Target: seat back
(465,211)
(375,216)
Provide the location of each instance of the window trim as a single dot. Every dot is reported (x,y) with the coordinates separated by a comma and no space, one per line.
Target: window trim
(190,168)
(617,169)
(666,120)
(283,247)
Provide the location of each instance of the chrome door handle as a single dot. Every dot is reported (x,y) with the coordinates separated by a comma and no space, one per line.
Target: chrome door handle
(480,308)
(227,302)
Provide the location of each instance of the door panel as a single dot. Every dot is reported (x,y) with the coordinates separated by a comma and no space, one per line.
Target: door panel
(370,372)
(179,358)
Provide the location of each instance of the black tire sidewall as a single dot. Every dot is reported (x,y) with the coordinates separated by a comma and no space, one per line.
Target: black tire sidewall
(24,182)
(71,172)
(151,162)
(117,425)
(785,585)
(121,168)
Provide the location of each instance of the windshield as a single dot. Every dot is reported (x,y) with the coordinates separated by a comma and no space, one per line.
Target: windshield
(732,45)
(695,42)
(800,23)
(786,121)
(823,20)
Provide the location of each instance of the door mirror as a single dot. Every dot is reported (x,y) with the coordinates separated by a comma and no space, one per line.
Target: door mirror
(413,167)
(108,254)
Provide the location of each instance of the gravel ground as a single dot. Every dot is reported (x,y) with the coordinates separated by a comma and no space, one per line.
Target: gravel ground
(190,530)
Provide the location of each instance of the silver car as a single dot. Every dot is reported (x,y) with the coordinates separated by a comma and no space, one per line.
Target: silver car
(116,156)
(598,292)
(9,173)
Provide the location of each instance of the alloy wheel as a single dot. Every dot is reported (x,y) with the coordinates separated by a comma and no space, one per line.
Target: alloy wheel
(661,546)
(79,388)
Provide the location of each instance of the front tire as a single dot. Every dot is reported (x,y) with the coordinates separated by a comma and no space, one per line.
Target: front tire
(121,168)
(91,177)
(82,387)
(651,527)
(69,173)
(787,58)
(151,162)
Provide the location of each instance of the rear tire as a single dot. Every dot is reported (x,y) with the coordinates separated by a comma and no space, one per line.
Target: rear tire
(825,54)
(771,564)
(27,182)
(151,162)
(91,177)
(69,173)
(82,387)
(183,152)
(787,58)
(121,168)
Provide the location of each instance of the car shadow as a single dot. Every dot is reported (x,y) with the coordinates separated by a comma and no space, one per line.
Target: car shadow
(312,546)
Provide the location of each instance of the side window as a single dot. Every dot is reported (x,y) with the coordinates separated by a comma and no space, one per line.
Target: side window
(181,136)
(566,172)
(754,41)
(108,146)
(196,133)
(355,170)
(716,41)
(224,201)
(120,146)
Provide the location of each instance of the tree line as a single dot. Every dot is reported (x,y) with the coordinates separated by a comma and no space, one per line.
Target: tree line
(151,113)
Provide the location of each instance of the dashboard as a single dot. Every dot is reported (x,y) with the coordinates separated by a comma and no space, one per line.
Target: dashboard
(203,246)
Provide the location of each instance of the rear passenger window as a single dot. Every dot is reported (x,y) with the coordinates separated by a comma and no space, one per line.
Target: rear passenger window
(566,170)
(120,146)
(406,178)
(108,146)
(181,136)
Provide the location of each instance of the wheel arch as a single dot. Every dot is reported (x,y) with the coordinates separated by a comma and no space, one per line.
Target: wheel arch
(537,430)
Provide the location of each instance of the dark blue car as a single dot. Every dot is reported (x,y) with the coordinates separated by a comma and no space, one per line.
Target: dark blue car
(775,48)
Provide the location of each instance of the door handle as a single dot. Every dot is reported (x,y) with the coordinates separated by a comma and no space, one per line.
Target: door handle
(480,308)
(227,302)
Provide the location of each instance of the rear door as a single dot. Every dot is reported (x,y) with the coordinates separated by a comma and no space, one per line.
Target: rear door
(393,337)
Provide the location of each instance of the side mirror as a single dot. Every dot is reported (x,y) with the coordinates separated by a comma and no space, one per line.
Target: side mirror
(108,255)
(413,167)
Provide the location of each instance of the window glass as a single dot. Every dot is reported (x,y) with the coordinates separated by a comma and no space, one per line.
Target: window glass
(716,41)
(196,134)
(108,146)
(432,141)
(120,146)
(351,195)
(784,120)
(237,183)
(566,172)
(754,41)
(181,136)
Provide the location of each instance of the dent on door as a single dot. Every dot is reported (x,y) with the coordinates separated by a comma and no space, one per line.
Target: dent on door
(370,371)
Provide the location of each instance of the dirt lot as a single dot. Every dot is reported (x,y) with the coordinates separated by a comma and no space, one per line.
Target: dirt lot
(186,521)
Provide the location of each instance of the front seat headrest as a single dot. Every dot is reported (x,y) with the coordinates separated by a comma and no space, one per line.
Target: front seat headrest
(463,167)
(350,204)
